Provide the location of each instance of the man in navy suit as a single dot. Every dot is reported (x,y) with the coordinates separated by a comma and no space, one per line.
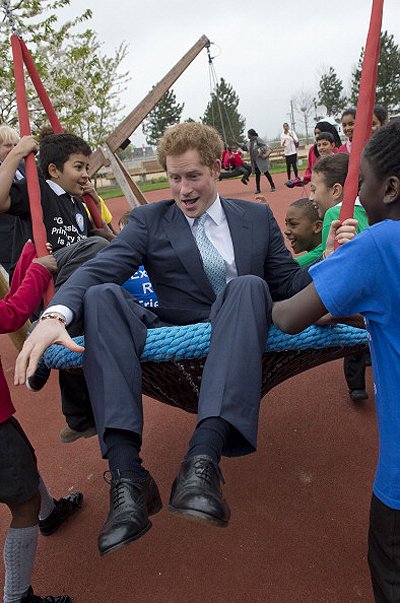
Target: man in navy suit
(209,259)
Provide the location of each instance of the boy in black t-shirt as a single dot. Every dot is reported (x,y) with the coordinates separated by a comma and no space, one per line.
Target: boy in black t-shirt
(64,163)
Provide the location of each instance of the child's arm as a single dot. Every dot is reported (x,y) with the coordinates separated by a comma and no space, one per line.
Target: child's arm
(24,298)
(298,312)
(305,308)
(26,145)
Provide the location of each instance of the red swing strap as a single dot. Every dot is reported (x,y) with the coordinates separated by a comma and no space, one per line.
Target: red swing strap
(38,229)
(21,55)
(365,109)
(54,121)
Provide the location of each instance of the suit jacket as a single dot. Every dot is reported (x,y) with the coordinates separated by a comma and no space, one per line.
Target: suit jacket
(159,236)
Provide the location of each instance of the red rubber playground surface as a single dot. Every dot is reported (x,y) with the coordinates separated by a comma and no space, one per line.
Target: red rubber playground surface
(298,532)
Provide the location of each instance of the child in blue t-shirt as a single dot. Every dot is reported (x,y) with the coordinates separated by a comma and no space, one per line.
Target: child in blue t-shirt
(139,284)
(363,278)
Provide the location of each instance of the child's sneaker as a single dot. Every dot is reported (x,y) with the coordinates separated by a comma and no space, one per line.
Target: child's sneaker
(64,508)
(29,597)
(297,181)
(39,378)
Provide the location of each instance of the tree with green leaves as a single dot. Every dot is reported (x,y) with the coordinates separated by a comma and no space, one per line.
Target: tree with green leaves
(222,113)
(83,84)
(166,113)
(388,84)
(330,93)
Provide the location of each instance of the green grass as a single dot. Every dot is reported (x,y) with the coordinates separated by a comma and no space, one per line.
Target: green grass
(155,184)
(110,193)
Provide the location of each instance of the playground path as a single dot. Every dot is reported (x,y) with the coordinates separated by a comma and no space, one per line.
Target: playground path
(298,532)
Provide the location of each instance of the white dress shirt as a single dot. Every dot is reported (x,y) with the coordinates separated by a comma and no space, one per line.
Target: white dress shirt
(217,230)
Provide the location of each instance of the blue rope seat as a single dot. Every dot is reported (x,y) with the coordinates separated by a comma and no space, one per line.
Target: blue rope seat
(173,357)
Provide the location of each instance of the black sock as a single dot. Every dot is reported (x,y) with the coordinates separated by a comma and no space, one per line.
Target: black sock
(123,449)
(209,438)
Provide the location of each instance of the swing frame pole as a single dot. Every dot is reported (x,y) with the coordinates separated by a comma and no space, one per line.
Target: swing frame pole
(140,112)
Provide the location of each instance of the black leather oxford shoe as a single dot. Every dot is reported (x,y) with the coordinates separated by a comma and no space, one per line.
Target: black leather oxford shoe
(197,494)
(131,503)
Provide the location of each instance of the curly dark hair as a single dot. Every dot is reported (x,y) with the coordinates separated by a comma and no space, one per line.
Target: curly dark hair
(310,208)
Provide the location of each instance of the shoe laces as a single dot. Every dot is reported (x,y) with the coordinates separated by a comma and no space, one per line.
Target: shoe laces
(118,488)
(204,468)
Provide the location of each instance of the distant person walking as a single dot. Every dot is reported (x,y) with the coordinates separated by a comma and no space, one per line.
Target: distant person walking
(290,142)
(259,156)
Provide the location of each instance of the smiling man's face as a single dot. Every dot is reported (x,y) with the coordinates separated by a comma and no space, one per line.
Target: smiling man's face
(193,185)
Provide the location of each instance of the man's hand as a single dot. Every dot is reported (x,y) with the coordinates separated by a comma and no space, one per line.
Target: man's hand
(342,233)
(43,335)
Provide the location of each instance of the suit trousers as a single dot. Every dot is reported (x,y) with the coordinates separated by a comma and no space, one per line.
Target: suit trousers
(115,327)
(241,170)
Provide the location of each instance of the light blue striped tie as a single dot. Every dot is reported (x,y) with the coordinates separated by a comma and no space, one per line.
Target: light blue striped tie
(213,262)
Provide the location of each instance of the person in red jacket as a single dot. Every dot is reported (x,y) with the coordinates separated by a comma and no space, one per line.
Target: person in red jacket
(233,162)
(21,487)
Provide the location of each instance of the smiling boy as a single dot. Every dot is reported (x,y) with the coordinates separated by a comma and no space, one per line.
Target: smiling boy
(325,144)
(64,162)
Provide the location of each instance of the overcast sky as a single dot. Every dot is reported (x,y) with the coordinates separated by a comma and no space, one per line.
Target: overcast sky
(268,49)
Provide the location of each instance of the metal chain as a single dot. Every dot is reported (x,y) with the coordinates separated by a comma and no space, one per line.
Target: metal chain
(10,17)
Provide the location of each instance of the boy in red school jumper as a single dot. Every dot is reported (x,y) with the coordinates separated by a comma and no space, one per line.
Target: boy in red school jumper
(232,160)
(21,487)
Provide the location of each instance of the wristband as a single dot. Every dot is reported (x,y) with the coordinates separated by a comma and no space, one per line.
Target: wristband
(53,316)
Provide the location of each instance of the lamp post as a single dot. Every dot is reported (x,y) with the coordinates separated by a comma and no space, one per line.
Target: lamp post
(305,116)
